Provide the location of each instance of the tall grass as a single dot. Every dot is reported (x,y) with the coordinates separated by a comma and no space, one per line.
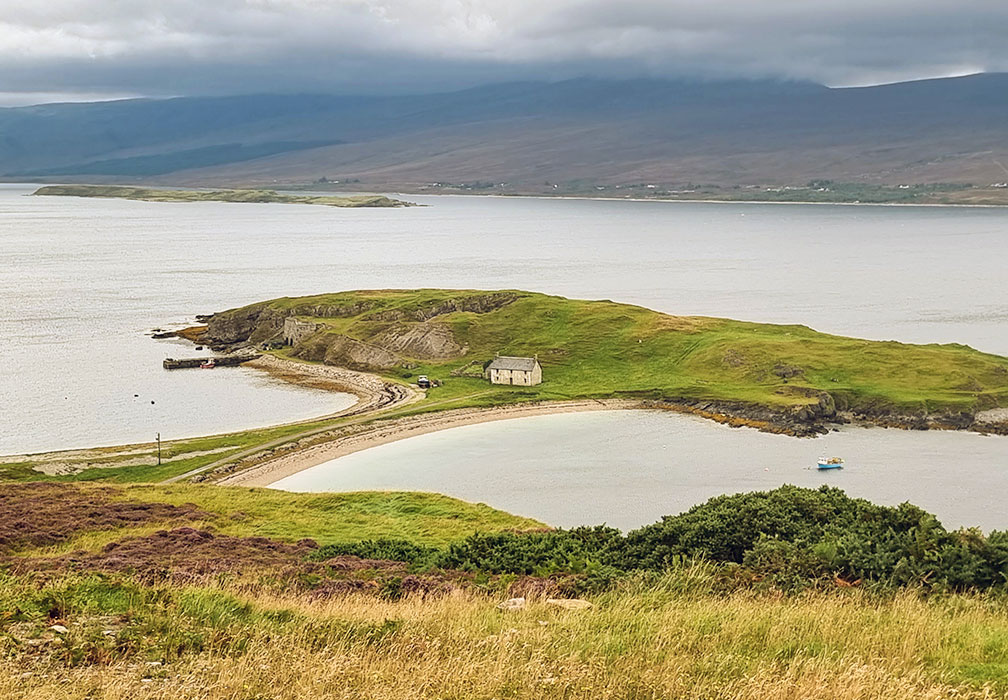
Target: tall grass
(656,638)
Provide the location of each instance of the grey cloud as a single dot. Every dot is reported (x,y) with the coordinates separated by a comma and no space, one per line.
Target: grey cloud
(215,46)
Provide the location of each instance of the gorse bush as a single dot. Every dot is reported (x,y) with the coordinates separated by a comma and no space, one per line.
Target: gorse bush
(393,550)
(800,533)
(790,537)
(539,553)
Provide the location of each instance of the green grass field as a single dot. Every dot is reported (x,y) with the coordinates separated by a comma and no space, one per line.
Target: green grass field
(423,518)
(427,519)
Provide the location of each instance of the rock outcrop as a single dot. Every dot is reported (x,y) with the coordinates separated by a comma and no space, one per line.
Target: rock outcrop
(296,331)
(803,420)
(344,351)
(423,341)
(384,339)
(481,303)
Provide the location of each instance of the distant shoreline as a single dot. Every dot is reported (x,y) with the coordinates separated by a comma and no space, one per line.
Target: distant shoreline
(281,193)
(767,201)
(422,190)
(710,201)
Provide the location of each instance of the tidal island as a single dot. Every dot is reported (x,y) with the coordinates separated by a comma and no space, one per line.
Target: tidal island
(250,196)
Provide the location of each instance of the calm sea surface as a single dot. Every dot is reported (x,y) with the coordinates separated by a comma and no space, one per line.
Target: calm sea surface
(628,468)
(82,280)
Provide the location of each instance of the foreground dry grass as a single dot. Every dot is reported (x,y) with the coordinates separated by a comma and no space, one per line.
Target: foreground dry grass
(668,638)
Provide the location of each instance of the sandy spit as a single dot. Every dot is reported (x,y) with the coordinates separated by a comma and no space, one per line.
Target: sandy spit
(382,432)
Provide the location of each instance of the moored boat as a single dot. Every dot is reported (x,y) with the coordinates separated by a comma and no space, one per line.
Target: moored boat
(209,364)
(830,463)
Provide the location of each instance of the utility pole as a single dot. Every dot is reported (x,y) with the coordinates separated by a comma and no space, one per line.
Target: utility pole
(159,449)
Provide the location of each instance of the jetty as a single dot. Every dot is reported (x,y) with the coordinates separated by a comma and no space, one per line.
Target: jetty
(218,361)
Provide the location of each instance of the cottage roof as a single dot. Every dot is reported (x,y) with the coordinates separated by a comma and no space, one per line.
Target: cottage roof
(521,364)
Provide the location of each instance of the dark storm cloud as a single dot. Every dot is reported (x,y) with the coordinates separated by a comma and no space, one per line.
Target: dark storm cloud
(212,46)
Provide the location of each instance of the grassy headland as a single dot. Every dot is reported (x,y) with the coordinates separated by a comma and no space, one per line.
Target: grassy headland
(602,349)
(48,518)
(241,196)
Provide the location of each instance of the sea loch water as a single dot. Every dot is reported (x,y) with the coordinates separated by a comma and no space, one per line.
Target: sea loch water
(629,468)
(81,280)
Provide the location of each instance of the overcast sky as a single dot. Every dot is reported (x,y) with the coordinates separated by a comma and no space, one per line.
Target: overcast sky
(53,49)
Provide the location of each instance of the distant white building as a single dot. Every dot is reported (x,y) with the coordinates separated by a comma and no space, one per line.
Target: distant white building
(518,371)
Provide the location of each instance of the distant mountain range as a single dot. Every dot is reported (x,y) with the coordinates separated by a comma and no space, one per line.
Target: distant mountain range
(582,134)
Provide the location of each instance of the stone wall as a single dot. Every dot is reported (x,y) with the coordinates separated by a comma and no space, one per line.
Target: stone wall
(296,330)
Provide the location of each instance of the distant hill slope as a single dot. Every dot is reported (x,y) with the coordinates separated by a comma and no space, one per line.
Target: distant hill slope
(528,134)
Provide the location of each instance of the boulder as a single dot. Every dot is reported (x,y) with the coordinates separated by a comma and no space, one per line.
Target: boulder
(512,604)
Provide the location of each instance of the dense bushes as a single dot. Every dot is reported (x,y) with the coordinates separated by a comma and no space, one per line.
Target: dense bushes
(538,553)
(394,550)
(790,537)
(792,533)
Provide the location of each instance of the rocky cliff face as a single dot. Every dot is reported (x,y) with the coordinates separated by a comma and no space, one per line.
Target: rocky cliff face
(239,326)
(424,341)
(260,323)
(343,351)
(387,338)
(397,346)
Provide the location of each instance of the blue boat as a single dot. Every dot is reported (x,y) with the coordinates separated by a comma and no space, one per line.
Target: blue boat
(830,463)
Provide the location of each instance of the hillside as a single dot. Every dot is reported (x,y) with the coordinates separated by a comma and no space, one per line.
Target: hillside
(789,376)
(570,137)
(213,593)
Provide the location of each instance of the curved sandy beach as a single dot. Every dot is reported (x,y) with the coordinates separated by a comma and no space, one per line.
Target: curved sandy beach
(361,436)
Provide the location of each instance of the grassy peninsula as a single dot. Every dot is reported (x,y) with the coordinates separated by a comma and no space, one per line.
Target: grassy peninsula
(241,196)
(603,349)
(788,379)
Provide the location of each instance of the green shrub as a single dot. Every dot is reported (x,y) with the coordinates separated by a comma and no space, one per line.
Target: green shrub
(393,550)
(539,553)
(790,538)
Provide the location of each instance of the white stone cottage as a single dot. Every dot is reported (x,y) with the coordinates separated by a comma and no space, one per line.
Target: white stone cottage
(519,371)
